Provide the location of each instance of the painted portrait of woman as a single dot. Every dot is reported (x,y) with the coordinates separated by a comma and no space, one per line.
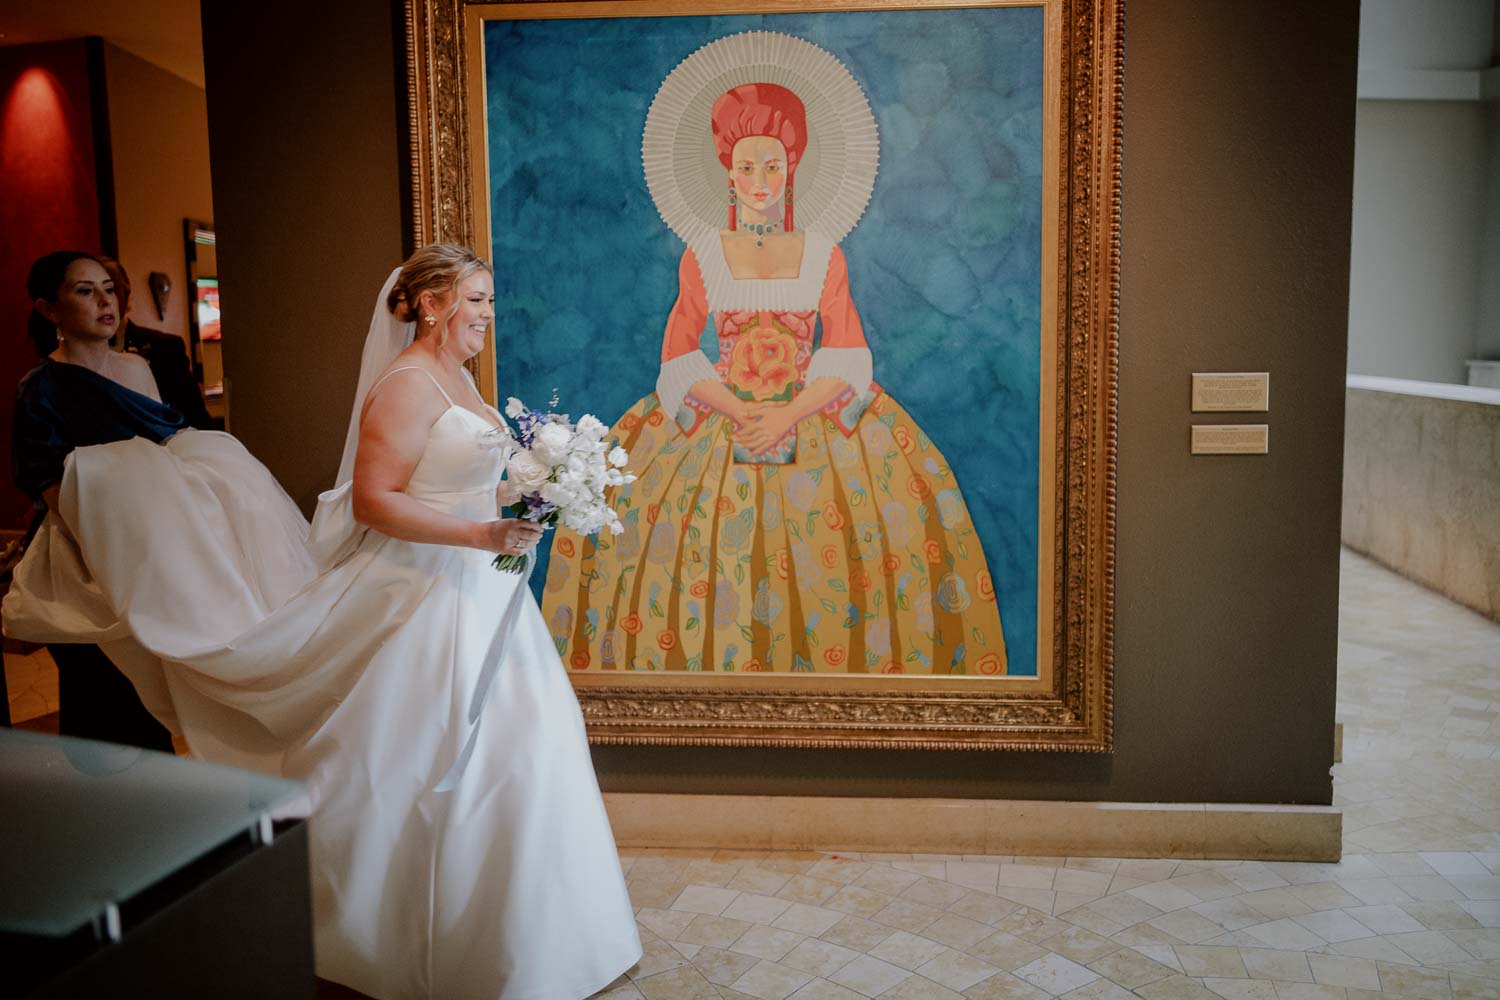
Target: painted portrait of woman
(789,515)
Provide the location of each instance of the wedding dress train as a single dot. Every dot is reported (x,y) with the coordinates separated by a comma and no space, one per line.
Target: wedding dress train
(460,845)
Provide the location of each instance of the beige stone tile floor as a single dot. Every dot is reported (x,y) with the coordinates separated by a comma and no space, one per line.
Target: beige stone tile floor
(31,683)
(1412,910)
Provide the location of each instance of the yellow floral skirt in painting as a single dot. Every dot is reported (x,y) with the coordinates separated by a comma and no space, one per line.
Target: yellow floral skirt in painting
(859,557)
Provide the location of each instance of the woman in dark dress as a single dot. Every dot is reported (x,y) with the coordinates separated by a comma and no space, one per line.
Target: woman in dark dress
(84,393)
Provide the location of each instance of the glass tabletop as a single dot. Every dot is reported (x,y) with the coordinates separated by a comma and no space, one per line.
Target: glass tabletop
(86,824)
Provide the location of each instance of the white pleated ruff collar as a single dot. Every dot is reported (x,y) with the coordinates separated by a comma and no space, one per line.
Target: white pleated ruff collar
(834,178)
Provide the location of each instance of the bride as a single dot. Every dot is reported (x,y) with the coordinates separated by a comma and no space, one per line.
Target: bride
(460,846)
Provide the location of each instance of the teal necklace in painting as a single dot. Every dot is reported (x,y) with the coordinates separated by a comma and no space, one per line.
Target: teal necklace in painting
(760,229)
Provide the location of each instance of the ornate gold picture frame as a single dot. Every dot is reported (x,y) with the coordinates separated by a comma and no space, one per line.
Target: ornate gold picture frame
(1066,703)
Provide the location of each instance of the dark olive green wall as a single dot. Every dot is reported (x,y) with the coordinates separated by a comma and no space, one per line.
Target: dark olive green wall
(1239,147)
(307,180)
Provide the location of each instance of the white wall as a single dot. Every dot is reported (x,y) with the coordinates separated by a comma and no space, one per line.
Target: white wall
(1488,339)
(1425,34)
(1426,224)
(1414,256)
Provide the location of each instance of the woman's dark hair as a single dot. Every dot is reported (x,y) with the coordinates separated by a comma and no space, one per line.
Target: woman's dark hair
(44,281)
(41,333)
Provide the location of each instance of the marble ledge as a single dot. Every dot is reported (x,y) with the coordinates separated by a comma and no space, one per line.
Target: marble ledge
(977,826)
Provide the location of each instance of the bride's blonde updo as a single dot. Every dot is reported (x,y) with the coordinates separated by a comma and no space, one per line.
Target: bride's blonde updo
(437,268)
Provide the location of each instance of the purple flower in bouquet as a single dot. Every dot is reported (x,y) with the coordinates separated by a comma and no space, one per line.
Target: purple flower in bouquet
(534,508)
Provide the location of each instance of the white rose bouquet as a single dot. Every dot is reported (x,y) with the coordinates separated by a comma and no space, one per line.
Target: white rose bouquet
(560,473)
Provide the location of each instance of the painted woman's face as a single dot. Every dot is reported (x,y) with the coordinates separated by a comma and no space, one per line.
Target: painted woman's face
(758,167)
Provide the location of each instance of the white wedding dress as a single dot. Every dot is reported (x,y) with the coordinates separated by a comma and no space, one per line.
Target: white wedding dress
(460,845)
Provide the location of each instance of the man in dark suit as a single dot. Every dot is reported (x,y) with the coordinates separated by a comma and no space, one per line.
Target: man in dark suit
(165,353)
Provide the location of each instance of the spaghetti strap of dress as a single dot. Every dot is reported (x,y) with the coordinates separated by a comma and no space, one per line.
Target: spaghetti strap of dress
(413,368)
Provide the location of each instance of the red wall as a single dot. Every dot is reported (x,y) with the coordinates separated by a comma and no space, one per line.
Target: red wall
(49,200)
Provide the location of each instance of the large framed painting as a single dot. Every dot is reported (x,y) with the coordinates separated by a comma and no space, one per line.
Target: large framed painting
(841,277)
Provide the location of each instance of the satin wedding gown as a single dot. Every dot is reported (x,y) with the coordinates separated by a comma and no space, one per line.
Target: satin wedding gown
(460,844)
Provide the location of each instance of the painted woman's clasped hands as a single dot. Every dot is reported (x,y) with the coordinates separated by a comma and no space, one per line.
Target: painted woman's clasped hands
(761,424)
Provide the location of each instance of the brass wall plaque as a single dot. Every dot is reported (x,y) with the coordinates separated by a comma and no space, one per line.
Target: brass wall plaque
(1231,439)
(1231,392)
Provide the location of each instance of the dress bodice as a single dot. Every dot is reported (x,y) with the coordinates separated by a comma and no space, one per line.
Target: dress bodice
(767,354)
(461,466)
(764,354)
(458,473)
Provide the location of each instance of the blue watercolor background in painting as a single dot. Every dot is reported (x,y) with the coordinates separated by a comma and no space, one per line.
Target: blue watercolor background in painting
(945,267)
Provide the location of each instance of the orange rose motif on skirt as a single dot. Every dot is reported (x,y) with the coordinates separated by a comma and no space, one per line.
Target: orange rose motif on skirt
(632,623)
(764,362)
(580,659)
(985,586)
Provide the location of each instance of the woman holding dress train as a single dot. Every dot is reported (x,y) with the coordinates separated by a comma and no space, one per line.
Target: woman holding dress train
(83,393)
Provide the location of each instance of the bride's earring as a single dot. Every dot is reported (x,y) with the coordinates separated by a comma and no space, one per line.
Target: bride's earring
(431,319)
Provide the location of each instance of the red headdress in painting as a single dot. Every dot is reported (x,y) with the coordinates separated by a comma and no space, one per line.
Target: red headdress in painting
(761,109)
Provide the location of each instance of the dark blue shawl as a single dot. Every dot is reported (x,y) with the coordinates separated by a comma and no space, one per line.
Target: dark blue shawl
(60,407)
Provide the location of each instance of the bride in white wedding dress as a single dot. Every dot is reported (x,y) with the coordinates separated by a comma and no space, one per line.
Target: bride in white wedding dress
(460,845)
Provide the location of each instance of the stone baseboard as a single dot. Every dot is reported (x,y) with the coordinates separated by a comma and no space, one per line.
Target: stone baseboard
(977,826)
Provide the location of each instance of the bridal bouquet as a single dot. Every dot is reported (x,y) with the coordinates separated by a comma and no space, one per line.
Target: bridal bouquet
(559,473)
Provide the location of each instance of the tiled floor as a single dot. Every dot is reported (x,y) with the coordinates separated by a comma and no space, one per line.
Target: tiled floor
(1412,911)
(31,683)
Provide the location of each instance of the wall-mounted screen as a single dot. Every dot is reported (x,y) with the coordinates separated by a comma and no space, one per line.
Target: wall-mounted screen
(207,306)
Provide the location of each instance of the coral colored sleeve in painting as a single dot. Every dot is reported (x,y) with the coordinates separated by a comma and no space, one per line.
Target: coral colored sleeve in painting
(689,312)
(841,323)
